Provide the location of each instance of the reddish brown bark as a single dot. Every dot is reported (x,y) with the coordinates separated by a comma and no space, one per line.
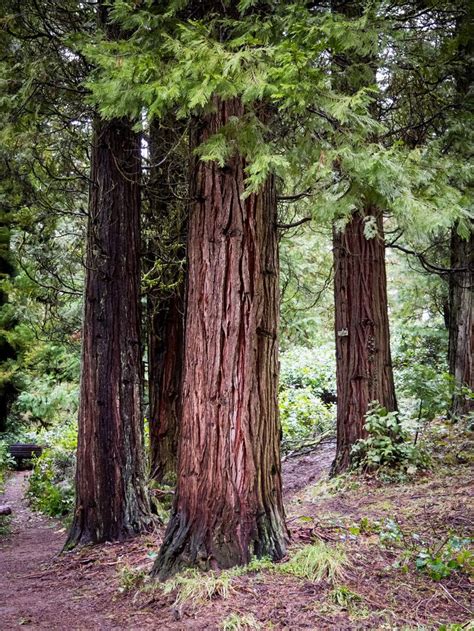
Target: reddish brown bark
(461,321)
(228,504)
(111,500)
(363,361)
(165,361)
(165,261)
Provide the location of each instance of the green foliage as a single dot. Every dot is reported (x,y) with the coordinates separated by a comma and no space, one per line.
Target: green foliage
(443,560)
(6,461)
(424,387)
(389,447)
(306,382)
(345,597)
(313,369)
(131,578)
(51,484)
(303,414)
(47,401)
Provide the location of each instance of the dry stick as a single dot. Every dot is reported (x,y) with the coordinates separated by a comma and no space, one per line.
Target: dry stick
(308,446)
(469,611)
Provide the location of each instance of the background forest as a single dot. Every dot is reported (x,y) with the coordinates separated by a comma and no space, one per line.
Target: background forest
(128,130)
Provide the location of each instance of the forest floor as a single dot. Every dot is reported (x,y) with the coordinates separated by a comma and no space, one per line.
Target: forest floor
(377,527)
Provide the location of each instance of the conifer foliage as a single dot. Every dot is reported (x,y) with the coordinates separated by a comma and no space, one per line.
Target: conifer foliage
(170,145)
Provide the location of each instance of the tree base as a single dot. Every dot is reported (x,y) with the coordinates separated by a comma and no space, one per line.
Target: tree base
(187,546)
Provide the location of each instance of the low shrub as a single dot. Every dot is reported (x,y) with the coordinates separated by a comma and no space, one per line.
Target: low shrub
(390,447)
(6,462)
(307,392)
(51,484)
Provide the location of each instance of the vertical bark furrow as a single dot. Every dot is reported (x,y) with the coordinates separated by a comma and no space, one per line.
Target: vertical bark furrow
(363,360)
(461,321)
(111,501)
(228,504)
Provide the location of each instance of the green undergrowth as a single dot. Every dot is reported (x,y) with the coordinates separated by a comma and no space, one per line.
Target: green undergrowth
(6,463)
(314,562)
(391,450)
(51,484)
(5,526)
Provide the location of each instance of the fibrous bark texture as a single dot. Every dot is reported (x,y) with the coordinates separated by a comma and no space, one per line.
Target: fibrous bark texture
(228,503)
(461,321)
(165,367)
(167,184)
(111,500)
(363,361)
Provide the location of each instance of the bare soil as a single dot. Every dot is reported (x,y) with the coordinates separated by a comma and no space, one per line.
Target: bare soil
(99,587)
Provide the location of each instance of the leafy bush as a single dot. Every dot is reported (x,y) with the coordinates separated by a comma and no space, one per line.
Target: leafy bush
(424,386)
(47,401)
(313,368)
(307,392)
(51,485)
(389,447)
(6,461)
(302,413)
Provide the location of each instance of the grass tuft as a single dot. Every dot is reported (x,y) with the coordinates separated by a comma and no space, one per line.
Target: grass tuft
(316,562)
(237,622)
(192,586)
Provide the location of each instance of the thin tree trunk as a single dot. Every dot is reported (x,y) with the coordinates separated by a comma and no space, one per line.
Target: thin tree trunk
(111,499)
(461,322)
(165,367)
(363,361)
(167,184)
(228,504)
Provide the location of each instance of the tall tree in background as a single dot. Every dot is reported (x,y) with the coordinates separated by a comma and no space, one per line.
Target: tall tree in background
(228,503)
(461,321)
(111,499)
(363,361)
(164,261)
(461,277)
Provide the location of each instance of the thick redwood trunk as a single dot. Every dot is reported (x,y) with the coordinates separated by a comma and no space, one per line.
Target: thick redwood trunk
(461,321)
(228,504)
(363,361)
(111,502)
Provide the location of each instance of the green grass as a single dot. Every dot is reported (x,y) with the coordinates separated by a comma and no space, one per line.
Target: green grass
(315,562)
(238,622)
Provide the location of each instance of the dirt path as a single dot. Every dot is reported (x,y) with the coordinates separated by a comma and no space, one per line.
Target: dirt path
(39,590)
(94,588)
(32,594)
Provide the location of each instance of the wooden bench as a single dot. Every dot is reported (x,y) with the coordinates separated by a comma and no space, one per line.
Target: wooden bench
(24,451)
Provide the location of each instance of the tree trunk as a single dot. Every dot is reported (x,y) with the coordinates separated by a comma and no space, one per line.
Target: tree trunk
(228,503)
(165,367)
(461,322)
(167,186)
(363,361)
(111,502)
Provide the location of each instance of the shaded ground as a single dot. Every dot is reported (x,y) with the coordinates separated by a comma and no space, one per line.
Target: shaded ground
(103,587)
